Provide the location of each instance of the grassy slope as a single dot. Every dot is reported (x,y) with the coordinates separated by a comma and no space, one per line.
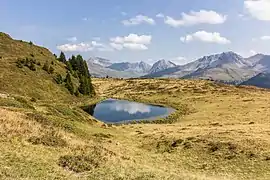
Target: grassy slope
(38,84)
(219,132)
(224,135)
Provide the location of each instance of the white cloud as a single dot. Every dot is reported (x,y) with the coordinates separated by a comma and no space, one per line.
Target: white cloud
(133,38)
(134,46)
(132,42)
(84,47)
(81,47)
(117,46)
(72,39)
(193,18)
(139,19)
(265,38)
(160,15)
(262,38)
(208,37)
(259,9)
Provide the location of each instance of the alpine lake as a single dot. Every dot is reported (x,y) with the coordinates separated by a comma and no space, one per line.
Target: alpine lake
(114,111)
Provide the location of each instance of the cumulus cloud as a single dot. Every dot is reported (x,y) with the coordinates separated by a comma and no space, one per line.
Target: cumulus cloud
(72,39)
(208,37)
(259,9)
(132,42)
(81,47)
(139,19)
(84,47)
(265,38)
(262,38)
(193,18)
(160,15)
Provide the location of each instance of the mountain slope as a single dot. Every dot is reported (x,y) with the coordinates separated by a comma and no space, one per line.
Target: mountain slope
(23,81)
(261,80)
(97,70)
(140,67)
(225,66)
(161,65)
(100,61)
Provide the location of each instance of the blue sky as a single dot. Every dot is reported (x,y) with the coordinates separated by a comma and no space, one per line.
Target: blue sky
(148,30)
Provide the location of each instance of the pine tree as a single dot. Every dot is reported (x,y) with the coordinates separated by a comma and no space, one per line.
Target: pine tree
(86,86)
(69,84)
(73,62)
(69,66)
(62,58)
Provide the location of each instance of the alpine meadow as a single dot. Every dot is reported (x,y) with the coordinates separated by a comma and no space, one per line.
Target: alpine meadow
(118,90)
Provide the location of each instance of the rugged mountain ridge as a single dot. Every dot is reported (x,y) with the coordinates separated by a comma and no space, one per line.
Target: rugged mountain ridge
(227,66)
(101,67)
(161,65)
(139,67)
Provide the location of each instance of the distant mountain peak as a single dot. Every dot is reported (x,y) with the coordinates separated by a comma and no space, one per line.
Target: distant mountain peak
(138,67)
(161,65)
(100,61)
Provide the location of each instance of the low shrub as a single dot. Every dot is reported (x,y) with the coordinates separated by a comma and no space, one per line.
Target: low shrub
(85,161)
(49,139)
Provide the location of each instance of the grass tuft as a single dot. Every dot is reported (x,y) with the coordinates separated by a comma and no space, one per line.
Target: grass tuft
(82,162)
(52,138)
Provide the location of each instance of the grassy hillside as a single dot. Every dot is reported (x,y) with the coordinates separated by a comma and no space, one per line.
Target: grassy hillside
(217,132)
(22,81)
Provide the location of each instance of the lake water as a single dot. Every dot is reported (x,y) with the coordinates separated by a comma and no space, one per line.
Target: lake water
(121,111)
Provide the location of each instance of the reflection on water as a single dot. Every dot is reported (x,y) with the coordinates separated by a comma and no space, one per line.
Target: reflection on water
(118,111)
(131,108)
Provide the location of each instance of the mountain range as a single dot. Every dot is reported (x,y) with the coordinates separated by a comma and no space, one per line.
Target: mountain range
(100,67)
(226,66)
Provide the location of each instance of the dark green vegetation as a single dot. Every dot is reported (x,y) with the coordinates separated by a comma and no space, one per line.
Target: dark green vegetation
(78,68)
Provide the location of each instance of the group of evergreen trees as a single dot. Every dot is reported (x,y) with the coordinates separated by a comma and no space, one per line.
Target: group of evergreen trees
(77,68)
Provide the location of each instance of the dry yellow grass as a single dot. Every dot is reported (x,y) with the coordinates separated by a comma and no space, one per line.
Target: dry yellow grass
(219,132)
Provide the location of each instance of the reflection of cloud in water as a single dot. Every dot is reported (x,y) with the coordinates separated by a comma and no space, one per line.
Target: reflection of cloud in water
(131,108)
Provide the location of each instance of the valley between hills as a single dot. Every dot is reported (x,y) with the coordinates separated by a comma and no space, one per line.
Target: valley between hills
(218,131)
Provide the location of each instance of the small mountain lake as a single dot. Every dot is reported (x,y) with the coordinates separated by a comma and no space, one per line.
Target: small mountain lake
(122,111)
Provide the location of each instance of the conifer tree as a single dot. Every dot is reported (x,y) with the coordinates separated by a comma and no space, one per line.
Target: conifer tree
(62,57)
(69,84)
